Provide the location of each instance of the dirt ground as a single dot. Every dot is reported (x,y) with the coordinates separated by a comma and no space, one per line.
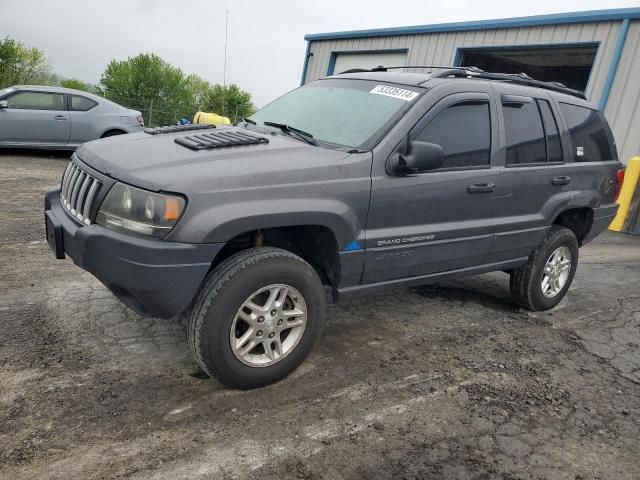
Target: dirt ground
(446,381)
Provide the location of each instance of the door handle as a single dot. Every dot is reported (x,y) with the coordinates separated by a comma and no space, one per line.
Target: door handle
(563,180)
(60,117)
(481,188)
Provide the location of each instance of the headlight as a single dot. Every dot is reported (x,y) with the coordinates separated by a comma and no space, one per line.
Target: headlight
(136,210)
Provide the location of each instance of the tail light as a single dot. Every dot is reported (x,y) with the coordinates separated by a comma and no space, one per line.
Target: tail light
(140,121)
(619,181)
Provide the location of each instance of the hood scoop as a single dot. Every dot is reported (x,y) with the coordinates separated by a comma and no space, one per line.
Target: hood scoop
(220,139)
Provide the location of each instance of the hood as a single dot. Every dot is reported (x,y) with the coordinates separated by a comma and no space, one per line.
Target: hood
(156,162)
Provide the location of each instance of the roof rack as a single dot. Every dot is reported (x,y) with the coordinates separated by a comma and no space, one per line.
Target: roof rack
(475,72)
(381,68)
(519,78)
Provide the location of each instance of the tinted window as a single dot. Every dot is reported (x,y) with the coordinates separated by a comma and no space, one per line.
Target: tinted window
(554,152)
(524,133)
(37,101)
(81,104)
(589,135)
(464,133)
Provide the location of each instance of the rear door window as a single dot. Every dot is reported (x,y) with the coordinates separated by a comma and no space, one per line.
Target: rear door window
(524,132)
(590,137)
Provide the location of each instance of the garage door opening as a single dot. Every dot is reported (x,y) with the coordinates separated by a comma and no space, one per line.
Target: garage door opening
(340,62)
(570,65)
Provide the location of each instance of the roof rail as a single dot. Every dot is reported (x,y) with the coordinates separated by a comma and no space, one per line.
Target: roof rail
(519,78)
(475,72)
(381,68)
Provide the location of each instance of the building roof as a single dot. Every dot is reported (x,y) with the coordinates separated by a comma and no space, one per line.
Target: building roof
(552,19)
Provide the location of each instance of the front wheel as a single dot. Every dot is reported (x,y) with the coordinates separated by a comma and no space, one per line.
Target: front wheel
(256,317)
(544,280)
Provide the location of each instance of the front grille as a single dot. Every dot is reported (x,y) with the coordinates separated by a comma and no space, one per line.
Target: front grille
(78,192)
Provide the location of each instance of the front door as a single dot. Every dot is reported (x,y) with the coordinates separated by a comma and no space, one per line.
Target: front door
(35,118)
(440,220)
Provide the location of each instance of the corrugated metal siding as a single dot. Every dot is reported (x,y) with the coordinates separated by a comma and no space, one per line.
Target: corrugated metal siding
(623,107)
(440,49)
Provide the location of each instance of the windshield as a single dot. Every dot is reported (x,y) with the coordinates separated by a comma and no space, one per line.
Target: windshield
(5,91)
(350,113)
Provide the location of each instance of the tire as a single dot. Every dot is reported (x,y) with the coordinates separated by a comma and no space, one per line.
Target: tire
(527,281)
(219,306)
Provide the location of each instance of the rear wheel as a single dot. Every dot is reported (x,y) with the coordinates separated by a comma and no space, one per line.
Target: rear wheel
(544,280)
(256,317)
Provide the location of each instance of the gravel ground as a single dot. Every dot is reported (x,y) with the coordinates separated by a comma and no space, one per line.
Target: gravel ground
(444,381)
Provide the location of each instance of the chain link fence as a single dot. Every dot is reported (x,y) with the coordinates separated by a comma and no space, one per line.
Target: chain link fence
(155,112)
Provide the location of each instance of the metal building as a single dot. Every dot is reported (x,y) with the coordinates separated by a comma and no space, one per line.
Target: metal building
(596,51)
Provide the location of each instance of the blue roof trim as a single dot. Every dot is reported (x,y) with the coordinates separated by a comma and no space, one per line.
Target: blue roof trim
(552,19)
(613,68)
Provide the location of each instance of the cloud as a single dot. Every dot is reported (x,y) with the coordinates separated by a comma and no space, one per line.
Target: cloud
(266,45)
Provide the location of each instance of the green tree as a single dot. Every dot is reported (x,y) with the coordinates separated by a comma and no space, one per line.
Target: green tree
(149,84)
(198,90)
(229,101)
(20,64)
(76,84)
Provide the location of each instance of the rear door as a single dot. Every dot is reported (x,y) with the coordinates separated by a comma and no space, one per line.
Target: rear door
(536,178)
(35,118)
(439,220)
(82,111)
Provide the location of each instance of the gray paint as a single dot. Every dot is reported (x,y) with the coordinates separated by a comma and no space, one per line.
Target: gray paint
(449,230)
(62,129)
(440,49)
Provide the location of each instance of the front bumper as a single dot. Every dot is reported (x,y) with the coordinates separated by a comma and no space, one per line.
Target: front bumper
(153,277)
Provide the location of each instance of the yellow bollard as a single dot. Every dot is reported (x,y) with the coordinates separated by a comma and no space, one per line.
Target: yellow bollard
(631,176)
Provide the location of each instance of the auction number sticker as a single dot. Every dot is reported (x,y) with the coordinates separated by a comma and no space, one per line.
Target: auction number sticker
(395,92)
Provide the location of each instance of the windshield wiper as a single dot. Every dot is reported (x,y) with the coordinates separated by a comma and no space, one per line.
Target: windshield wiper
(248,120)
(301,134)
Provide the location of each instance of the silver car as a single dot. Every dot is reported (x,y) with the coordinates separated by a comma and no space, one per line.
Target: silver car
(60,118)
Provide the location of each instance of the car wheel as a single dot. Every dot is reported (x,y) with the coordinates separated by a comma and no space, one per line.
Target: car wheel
(543,281)
(256,317)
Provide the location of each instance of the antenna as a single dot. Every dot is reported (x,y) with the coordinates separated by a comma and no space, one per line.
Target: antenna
(226,40)
(224,70)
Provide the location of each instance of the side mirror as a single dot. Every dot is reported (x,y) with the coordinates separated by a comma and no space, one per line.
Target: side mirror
(4,104)
(421,156)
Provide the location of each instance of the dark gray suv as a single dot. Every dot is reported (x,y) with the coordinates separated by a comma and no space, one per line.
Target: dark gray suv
(350,184)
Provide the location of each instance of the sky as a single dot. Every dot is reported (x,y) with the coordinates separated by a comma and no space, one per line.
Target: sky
(266,44)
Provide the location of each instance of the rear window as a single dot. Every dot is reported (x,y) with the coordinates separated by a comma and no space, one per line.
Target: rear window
(590,137)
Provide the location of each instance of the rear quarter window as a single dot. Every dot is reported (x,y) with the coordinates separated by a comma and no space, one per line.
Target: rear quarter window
(590,136)
(81,104)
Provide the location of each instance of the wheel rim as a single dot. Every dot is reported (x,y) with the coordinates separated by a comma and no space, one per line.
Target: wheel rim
(268,325)
(556,272)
